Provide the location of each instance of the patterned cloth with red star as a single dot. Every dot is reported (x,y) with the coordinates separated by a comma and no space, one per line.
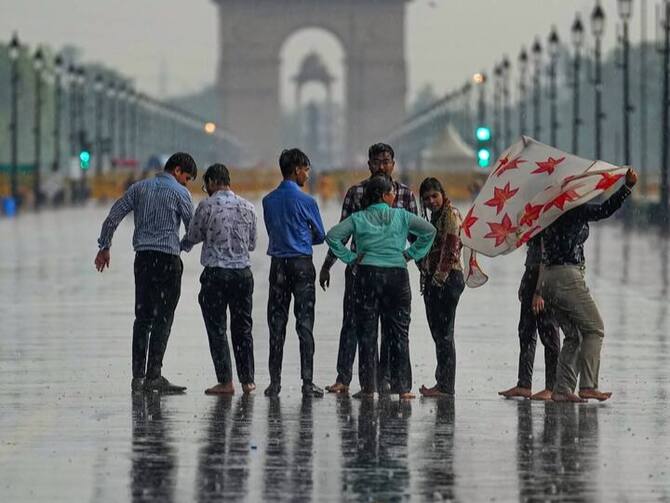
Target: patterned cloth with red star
(529,187)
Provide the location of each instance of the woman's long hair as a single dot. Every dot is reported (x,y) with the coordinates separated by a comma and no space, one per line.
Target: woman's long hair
(429,184)
(375,188)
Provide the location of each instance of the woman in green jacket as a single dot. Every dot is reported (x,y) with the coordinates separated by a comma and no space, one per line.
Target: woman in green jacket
(381,285)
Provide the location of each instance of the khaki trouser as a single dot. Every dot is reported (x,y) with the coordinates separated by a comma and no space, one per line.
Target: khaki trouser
(567,296)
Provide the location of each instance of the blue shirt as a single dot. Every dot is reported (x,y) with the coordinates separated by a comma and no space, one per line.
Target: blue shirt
(159,205)
(292,220)
(225,223)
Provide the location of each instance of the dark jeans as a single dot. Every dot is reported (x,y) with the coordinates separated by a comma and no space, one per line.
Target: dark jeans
(157,289)
(348,342)
(291,277)
(441,303)
(224,289)
(383,292)
(529,326)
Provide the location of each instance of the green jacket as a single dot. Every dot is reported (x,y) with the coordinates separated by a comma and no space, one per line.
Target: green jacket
(381,236)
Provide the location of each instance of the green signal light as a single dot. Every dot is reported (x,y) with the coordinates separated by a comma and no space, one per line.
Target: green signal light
(483,133)
(84,159)
(484,157)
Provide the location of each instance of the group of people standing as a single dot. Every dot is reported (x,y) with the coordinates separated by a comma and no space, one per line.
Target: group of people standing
(379,215)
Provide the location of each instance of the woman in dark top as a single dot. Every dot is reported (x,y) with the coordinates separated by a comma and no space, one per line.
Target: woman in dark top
(442,282)
(561,284)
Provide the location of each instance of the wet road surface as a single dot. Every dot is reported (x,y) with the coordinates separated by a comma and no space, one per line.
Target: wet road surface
(71,431)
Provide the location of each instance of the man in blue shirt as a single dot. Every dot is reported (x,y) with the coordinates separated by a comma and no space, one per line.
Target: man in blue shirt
(159,206)
(294,225)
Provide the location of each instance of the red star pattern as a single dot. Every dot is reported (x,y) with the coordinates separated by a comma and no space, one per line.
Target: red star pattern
(501,163)
(500,197)
(527,236)
(513,164)
(531,213)
(468,222)
(561,199)
(548,166)
(607,180)
(500,231)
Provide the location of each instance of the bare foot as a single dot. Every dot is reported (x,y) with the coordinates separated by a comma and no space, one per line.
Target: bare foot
(221,389)
(248,388)
(338,387)
(544,395)
(590,393)
(407,395)
(433,392)
(566,397)
(516,391)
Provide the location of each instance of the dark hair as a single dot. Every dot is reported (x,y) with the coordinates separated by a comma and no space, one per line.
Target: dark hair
(184,161)
(380,148)
(430,183)
(217,173)
(291,159)
(375,188)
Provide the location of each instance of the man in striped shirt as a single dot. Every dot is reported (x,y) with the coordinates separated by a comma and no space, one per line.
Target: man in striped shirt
(159,206)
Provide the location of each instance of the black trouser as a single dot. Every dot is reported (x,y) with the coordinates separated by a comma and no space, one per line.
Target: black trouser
(232,289)
(348,342)
(383,292)
(157,289)
(291,277)
(529,326)
(441,303)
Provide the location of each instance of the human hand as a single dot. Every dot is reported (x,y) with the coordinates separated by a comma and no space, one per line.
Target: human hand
(324,278)
(631,178)
(102,259)
(538,304)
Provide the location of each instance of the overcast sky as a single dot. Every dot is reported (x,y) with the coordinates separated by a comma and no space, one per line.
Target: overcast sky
(447,40)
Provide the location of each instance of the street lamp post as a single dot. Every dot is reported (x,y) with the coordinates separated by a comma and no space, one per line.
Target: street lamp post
(553,113)
(481,104)
(58,98)
(625,11)
(98,87)
(123,115)
(598,28)
(506,101)
(111,143)
(523,68)
(537,116)
(665,124)
(72,97)
(577,42)
(38,65)
(14,47)
(497,72)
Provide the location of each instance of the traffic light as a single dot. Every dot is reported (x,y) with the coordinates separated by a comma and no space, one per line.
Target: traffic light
(483,137)
(84,159)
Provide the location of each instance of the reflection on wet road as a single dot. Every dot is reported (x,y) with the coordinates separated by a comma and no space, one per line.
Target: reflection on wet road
(72,431)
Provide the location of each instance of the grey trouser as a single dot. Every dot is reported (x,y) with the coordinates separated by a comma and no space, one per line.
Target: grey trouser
(567,296)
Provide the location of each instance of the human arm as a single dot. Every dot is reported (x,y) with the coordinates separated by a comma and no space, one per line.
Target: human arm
(425,234)
(595,212)
(336,235)
(315,222)
(348,207)
(253,231)
(196,231)
(537,304)
(117,213)
(450,249)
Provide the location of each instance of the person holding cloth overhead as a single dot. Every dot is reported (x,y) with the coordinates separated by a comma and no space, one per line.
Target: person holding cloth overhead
(381,286)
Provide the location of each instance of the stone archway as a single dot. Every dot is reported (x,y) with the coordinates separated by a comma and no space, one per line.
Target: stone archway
(251,33)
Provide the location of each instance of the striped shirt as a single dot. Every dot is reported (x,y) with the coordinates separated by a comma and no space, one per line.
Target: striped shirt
(159,205)
(225,223)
